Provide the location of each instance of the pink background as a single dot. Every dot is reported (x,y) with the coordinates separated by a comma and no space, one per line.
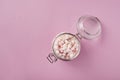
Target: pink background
(27,28)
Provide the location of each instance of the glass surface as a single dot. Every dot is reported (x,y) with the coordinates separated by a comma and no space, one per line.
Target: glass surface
(66,46)
(89,27)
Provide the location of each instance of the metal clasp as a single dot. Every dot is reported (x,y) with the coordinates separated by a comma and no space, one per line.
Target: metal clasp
(51,58)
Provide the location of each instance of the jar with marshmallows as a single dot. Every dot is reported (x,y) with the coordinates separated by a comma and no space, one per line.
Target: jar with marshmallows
(67,46)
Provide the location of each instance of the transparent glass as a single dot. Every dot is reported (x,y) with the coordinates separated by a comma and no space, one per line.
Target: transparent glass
(89,27)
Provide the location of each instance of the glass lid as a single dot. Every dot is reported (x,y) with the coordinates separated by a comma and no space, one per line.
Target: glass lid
(89,27)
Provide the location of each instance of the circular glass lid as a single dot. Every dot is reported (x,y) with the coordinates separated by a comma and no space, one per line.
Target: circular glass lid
(89,27)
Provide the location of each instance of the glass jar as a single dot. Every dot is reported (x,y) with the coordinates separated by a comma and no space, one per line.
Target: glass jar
(67,46)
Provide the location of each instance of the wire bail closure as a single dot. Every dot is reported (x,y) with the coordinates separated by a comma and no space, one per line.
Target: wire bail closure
(51,58)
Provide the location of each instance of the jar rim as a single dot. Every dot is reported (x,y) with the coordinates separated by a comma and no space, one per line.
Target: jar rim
(79,49)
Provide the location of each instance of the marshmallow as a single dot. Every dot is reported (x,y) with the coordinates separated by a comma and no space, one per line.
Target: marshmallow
(66,46)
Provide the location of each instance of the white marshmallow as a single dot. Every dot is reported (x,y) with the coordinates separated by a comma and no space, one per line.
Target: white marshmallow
(66,45)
